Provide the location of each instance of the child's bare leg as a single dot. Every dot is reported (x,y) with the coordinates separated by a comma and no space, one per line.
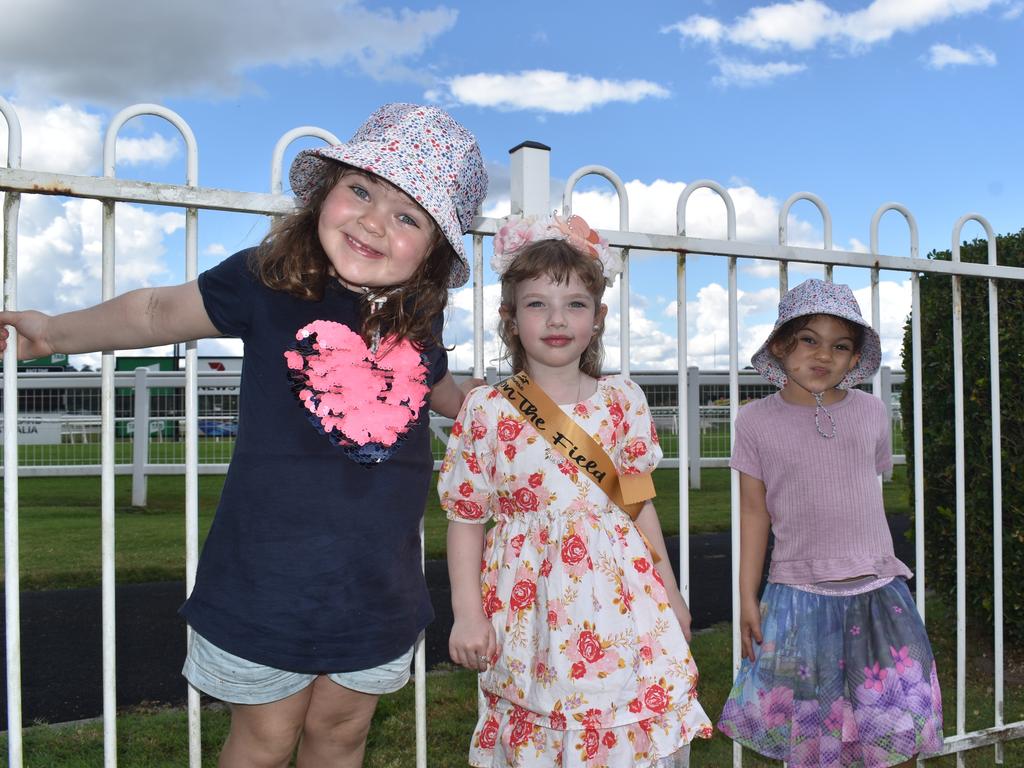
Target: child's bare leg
(337,721)
(264,735)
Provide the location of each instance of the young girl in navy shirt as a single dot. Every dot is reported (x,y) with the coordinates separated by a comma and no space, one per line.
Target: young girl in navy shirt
(309,594)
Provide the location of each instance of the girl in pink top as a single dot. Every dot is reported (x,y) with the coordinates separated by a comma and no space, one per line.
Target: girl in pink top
(837,669)
(566,606)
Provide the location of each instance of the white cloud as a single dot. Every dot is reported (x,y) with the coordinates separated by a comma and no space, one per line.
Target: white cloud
(894,300)
(652,208)
(545,91)
(60,251)
(61,139)
(745,73)
(65,139)
(215,249)
(152,149)
(1014,11)
(803,25)
(133,51)
(941,56)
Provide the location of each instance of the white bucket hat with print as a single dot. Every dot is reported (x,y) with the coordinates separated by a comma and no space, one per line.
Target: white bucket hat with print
(817,297)
(424,152)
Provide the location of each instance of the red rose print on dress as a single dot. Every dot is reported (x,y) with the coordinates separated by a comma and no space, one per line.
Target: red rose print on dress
(363,400)
(526,499)
(574,549)
(522,730)
(468,510)
(492,603)
(589,647)
(615,411)
(509,429)
(635,448)
(523,595)
(488,736)
(656,699)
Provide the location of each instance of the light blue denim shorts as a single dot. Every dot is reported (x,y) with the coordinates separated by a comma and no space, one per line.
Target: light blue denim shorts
(235,680)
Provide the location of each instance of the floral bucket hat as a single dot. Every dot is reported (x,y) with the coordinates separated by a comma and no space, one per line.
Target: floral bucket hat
(817,297)
(424,152)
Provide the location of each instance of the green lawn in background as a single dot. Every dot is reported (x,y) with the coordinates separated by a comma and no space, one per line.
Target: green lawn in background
(60,523)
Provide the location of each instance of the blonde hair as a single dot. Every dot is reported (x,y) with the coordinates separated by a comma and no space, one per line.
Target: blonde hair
(291,259)
(559,261)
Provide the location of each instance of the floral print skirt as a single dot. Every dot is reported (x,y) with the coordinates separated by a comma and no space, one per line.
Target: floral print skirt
(508,736)
(839,681)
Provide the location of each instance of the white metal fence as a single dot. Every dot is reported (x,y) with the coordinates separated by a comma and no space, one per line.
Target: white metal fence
(530,187)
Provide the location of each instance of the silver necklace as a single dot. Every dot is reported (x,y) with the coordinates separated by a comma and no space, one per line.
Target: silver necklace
(820,409)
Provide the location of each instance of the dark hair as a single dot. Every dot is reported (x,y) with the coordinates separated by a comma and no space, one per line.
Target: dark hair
(784,339)
(559,261)
(291,259)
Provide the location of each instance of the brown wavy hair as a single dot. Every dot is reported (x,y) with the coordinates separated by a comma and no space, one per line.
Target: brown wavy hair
(559,261)
(291,259)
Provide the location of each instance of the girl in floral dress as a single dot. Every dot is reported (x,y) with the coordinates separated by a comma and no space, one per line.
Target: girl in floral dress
(837,668)
(566,606)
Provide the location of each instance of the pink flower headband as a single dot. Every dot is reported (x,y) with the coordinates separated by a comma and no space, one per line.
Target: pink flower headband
(517,232)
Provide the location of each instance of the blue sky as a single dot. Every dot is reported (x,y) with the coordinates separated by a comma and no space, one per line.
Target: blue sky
(861,103)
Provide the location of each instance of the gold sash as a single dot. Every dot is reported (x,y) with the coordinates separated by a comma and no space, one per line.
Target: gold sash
(628,492)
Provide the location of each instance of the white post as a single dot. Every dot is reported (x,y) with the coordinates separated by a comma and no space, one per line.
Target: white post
(693,409)
(530,186)
(140,439)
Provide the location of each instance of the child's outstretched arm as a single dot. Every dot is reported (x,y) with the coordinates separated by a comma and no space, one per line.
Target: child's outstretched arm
(446,396)
(754,526)
(472,641)
(146,317)
(650,526)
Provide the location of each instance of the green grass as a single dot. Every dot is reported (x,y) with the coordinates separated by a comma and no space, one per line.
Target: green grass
(60,523)
(158,737)
(60,548)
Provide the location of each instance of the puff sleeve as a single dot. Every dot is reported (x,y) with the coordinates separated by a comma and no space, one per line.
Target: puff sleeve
(639,450)
(466,481)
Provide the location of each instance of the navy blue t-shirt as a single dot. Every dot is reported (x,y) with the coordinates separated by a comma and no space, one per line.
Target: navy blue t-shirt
(312,563)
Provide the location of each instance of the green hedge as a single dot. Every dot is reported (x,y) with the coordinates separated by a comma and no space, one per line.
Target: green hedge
(939,437)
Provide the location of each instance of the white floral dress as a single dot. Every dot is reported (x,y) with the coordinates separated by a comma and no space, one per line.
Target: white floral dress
(592,667)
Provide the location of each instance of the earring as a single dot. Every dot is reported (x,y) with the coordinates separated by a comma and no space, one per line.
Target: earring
(596,326)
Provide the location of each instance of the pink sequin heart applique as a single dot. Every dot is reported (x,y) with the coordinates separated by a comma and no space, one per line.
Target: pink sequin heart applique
(364,401)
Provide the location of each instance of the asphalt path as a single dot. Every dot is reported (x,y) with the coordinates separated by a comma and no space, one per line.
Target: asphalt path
(61,636)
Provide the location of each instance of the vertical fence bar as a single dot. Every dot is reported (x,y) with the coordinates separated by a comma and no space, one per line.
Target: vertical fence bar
(107,446)
(997,468)
(734,397)
(620,190)
(734,478)
(195,746)
(683,429)
(915,338)
(961,547)
(997,496)
(12,560)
